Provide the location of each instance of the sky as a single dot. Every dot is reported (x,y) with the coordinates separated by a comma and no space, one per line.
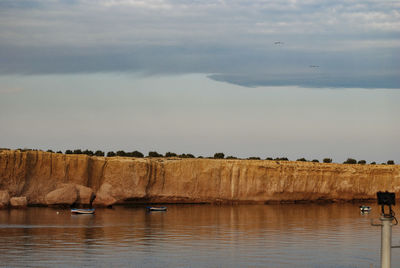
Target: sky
(309,78)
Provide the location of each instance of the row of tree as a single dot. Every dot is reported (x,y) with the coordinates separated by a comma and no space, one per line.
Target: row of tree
(363,162)
(219,155)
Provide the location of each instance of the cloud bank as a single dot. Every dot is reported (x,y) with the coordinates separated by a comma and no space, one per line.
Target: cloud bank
(353,43)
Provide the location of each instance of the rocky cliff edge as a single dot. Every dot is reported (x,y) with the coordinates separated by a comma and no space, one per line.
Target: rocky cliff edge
(50,178)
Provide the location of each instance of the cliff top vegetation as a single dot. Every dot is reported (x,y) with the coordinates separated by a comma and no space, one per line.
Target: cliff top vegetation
(218,155)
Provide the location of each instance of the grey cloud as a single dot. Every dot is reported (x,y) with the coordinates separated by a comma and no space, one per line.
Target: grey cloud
(354,42)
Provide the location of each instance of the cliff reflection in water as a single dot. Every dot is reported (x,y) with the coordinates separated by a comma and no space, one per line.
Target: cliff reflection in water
(309,235)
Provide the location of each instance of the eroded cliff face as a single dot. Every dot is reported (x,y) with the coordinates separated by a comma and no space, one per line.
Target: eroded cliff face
(35,174)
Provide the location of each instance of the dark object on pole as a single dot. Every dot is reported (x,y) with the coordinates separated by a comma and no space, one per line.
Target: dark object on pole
(386,199)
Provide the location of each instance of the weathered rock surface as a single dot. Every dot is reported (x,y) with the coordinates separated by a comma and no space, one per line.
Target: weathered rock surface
(18,202)
(85,195)
(66,195)
(38,176)
(4,199)
(104,196)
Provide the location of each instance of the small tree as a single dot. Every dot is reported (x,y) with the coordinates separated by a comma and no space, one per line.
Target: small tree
(282,159)
(327,160)
(219,155)
(111,154)
(269,158)
(136,154)
(373,163)
(350,161)
(77,151)
(154,154)
(302,159)
(68,152)
(59,152)
(254,158)
(362,162)
(186,156)
(315,161)
(170,154)
(390,162)
(88,152)
(121,153)
(50,151)
(99,153)
(231,157)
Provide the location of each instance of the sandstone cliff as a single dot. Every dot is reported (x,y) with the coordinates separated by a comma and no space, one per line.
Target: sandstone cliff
(35,174)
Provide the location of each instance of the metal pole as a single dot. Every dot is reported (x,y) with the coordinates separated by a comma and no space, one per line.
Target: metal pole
(386,241)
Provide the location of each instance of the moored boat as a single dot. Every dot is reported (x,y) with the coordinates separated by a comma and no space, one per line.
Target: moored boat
(364,208)
(82,211)
(156,208)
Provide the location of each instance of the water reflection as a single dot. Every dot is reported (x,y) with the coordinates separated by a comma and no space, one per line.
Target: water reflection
(298,235)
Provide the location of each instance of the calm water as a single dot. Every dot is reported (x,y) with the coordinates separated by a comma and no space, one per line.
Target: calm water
(331,235)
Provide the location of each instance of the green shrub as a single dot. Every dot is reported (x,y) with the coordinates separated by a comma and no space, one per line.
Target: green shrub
(282,159)
(200,156)
(327,160)
(68,152)
(77,151)
(121,153)
(390,162)
(99,153)
(302,159)
(269,158)
(50,151)
(169,154)
(373,163)
(315,161)
(219,155)
(362,162)
(59,152)
(254,158)
(154,154)
(231,157)
(136,154)
(350,161)
(88,152)
(186,156)
(111,154)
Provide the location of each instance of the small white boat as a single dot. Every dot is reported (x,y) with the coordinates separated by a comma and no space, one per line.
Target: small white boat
(82,211)
(156,208)
(365,208)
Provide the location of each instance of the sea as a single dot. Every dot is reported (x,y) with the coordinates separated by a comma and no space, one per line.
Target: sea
(195,235)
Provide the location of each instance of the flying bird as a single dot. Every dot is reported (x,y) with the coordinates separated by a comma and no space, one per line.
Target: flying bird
(278,43)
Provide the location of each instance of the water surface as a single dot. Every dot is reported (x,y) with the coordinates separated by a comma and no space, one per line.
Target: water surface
(309,235)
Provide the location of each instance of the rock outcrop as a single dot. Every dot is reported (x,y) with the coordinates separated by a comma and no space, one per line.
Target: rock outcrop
(66,195)
(85,195)
(18,202)
(51,178)
(104,196)
(4,199)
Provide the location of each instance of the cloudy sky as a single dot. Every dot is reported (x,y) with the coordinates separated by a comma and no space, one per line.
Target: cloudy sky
(250,78)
